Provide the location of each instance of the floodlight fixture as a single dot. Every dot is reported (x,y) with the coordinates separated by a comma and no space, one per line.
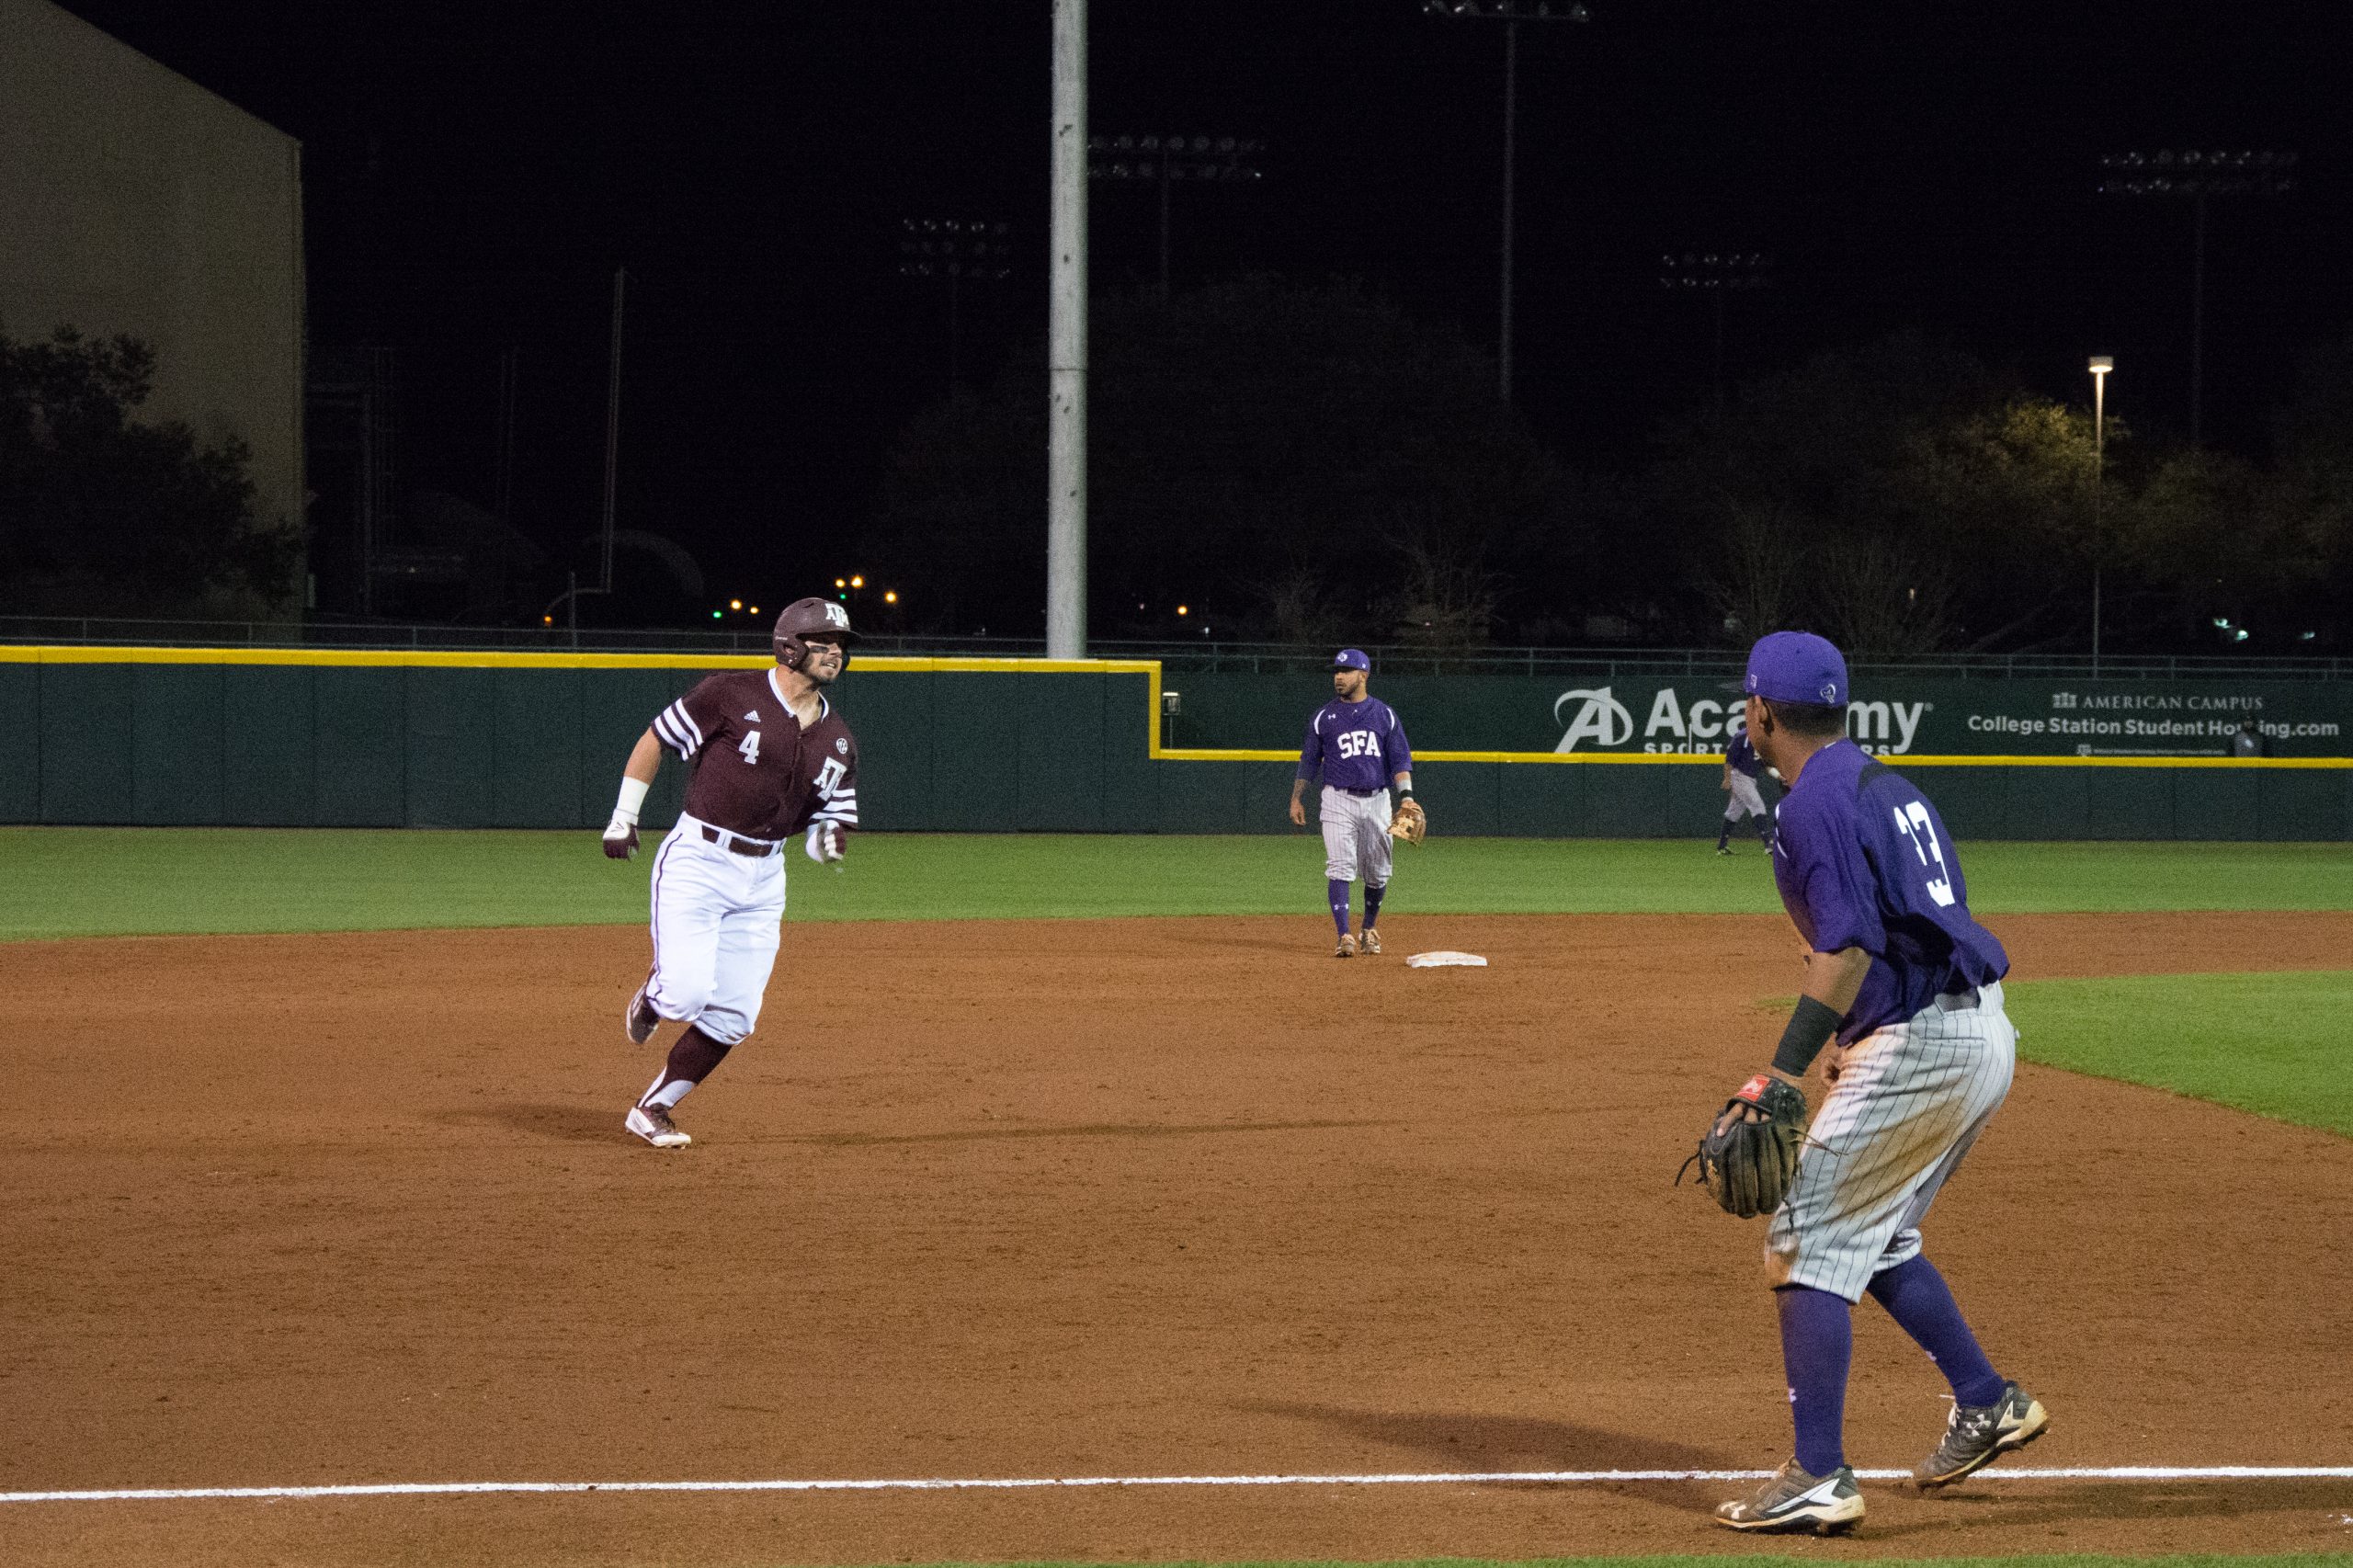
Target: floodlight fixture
(1712,275)
(1167,161)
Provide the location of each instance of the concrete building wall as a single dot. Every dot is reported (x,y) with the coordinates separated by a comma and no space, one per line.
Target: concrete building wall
(132,200)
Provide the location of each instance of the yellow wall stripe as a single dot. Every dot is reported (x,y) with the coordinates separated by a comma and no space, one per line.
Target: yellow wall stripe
(351,658)
(445,659)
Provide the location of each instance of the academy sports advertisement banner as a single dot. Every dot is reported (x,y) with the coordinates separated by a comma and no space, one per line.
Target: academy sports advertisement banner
(1892,715)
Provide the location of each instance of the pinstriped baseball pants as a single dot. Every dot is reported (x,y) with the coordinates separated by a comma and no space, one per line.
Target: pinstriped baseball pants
(1910,1100)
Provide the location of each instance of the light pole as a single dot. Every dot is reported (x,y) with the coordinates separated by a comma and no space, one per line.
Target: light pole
(1511,13)
(1066,342)
(2194,176)
(2100,365)
(1204,160)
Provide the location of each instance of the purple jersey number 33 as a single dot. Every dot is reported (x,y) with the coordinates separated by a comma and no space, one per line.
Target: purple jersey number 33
(1863,860)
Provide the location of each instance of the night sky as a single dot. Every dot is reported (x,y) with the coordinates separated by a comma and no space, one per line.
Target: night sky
(473,174)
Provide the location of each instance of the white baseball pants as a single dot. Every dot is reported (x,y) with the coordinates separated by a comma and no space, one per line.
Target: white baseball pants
(1356,836)
(717,918)
(1745,798)
(1909,1101)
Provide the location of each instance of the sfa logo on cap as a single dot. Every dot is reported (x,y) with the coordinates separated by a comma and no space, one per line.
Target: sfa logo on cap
(1797,666)
(1350,659)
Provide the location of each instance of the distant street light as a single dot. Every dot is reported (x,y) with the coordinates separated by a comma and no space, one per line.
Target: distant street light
(1511,13)
(1716,274)
(956,252)
(2194,176)
(1168,160)
(2100,365)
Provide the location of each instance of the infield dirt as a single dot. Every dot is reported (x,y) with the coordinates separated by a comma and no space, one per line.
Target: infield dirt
(1128,1198)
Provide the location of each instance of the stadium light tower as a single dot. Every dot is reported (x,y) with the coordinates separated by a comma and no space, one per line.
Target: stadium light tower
(2100,365)
(1171,160)
(1511,13)
(2194,176)
(1715,274)
(958,252)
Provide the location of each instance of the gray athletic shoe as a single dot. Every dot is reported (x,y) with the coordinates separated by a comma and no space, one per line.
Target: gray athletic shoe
(1368,941)
(653,1123)
(1347,948)
(1794,1501)
(1977,1435)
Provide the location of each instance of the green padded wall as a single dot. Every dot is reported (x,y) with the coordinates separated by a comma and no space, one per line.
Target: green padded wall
(169,742)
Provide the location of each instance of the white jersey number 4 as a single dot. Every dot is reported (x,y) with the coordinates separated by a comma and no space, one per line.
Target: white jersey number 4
(1912,821)
(750,746)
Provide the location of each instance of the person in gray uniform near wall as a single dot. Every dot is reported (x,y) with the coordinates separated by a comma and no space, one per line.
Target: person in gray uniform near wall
(1357,745)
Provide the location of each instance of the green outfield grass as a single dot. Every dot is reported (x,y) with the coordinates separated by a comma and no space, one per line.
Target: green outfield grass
(2273,1044)
(114,882)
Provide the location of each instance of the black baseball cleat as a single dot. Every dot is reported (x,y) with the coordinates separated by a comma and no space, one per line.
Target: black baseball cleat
(1977,1435)
(1794,1501)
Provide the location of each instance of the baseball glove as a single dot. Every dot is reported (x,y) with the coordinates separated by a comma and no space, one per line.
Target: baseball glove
(1411,822)
(1747,1162)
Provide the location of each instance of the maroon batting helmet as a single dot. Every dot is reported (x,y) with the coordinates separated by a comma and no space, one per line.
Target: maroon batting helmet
(803,619)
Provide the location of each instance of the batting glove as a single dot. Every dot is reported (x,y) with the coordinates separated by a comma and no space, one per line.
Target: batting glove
(620,840)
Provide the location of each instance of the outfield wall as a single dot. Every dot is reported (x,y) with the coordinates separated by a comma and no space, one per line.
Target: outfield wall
(296,738)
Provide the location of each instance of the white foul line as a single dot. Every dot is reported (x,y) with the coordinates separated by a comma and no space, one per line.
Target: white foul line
(1439,1478)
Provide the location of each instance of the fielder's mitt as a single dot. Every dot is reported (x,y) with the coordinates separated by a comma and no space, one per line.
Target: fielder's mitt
(1747,1164)
(1411,822)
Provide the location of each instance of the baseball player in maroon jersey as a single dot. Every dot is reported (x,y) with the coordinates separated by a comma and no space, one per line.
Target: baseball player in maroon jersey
(770,758)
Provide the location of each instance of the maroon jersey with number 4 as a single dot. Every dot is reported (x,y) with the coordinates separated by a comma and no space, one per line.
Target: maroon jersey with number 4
(757,771)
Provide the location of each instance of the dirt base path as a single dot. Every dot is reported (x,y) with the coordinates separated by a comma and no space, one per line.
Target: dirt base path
(1123,1199)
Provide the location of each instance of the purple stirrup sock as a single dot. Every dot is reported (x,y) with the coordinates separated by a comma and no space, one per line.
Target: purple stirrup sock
(1817,1343)
(1920,1302)
(1339,891)
(1372,891)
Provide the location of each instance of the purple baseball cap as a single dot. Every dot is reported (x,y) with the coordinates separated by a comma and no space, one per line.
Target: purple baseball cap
(1797,666)
(1350,659)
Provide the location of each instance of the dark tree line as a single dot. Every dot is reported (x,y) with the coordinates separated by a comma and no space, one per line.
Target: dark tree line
(103,513)
(1308,464)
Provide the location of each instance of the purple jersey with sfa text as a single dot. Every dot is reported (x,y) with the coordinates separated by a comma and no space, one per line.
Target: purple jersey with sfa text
(1742,757)
(1863,861)
(1358,746)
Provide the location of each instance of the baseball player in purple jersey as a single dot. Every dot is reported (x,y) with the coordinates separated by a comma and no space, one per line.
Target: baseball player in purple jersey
(1743,768)
(1357,746)
(770,758)
(1905,988)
